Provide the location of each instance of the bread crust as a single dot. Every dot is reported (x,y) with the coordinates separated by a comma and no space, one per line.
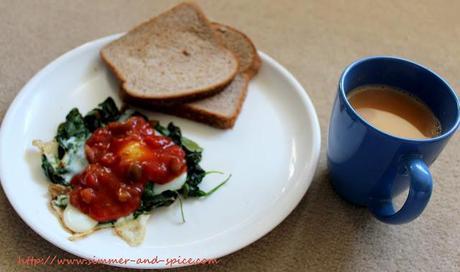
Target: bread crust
(252,70)
(214,119)
(255,67)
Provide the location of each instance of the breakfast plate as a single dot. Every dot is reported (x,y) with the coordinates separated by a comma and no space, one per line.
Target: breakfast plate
(271,153)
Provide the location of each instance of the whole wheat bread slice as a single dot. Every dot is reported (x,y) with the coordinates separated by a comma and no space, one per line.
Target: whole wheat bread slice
(222,109)
(174,57)
(241,46)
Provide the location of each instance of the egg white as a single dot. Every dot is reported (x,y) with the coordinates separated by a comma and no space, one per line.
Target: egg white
(131,229)
(77,221)
(173,185)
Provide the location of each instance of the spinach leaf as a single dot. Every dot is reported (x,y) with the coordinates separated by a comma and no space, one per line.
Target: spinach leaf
(175,134)
(210,192)
(106,112)
(61,201)
(73,128)
(70,137)
(195,175)
(161,129)
(149,200)
(54,173)
(109,109)
(191,145)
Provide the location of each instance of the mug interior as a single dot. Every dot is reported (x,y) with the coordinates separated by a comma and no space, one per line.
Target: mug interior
(415,79)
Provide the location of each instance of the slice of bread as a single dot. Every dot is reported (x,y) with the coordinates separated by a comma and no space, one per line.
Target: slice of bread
(174,57)
(222,109)
(241,46)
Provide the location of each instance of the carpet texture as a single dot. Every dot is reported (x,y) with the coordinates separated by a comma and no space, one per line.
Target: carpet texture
(315,40)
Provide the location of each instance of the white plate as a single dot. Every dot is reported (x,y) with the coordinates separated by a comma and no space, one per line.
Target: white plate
(272,153)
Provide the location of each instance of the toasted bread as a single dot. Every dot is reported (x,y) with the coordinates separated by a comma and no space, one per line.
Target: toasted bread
(222,109)
(174,57)
(241,46)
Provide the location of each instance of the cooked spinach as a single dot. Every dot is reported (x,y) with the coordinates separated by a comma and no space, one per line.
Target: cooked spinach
(54,173)
(195,175)
(191,145)
(71,137)
(217,187)
(151,200)
(106,112)
(161,129)
(181,209)
(175,134)
(70,131)
(61,201)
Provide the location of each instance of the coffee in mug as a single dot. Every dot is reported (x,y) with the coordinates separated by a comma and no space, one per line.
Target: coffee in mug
(383,139)
(394,111)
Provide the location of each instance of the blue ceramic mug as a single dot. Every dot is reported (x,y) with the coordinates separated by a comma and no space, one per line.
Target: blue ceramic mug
(368,166)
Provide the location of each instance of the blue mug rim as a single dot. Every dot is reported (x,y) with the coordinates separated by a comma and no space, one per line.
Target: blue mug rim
(409,140)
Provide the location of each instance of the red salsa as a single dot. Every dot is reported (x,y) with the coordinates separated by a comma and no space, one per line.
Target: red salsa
(123,157)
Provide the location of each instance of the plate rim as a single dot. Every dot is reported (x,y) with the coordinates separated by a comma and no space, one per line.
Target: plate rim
(307,172)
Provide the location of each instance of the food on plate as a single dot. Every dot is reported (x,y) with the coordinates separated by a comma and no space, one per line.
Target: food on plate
(243,48)
(111,168)
(174,57)
(162,63)
(222,110)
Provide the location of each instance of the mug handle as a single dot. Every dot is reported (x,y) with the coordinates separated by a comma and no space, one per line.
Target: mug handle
(421,185)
